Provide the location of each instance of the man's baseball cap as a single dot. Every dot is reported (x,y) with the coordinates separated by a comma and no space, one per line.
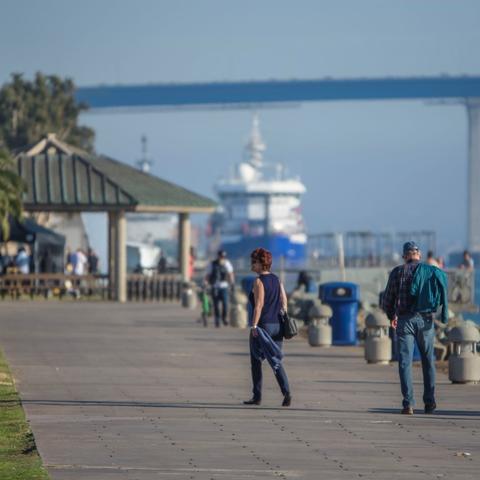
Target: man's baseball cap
(410,247)
(222,253)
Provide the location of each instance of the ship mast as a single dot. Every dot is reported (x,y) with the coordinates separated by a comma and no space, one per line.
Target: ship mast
(144,163)
(255,146)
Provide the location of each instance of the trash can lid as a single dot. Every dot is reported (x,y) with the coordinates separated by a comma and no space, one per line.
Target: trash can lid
(464,333)
(377,319)
(339,292)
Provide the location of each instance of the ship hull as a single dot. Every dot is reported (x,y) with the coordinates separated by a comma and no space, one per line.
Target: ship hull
(278,245)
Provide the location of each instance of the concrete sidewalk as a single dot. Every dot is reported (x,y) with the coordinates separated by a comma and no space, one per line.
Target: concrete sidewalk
(144,392)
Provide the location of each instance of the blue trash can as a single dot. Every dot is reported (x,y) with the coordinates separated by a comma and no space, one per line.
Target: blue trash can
(343,298)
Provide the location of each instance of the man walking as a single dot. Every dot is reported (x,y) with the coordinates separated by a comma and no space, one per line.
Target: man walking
(220,277)
(410,305)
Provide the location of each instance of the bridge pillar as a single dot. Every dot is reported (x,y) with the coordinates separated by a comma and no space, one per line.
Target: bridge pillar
(473,112)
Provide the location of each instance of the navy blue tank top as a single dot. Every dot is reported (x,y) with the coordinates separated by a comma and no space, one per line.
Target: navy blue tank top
(273,299)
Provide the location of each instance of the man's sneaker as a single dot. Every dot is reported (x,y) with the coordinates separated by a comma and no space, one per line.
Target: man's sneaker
(407,411)
(253,401)
(287,400)
(430,408)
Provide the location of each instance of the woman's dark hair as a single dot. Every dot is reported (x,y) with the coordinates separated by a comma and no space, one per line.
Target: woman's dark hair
(262,256)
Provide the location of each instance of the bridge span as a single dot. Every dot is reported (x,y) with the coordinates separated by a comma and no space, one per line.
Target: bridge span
(464,88)
(268,91)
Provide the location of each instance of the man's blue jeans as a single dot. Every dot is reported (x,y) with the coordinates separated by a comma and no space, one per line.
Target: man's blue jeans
(416,328)
(220,296)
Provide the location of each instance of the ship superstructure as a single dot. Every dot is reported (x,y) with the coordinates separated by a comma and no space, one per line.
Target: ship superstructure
(260,207)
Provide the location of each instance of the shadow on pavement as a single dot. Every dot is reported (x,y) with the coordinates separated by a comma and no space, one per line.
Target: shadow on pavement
(440,414)
(366,382)
(189,405)
(301,355)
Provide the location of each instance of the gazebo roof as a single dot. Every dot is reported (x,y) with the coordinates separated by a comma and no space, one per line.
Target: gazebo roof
(61,177)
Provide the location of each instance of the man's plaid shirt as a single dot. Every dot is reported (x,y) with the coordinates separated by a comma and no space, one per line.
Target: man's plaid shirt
(396,298)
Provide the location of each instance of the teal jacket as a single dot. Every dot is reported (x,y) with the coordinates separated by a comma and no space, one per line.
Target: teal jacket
(429,289)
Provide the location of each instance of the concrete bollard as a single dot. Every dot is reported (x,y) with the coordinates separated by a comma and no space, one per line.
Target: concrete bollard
(464,361)
(189,297)
(238,310)
(299,304)
(319,329)
(378,345)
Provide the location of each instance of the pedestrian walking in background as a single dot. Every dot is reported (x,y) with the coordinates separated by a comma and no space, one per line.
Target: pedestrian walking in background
(267,298)
(92,260)
(467,262)
(431,260)
(191,263)
(81,264)
(414,292)
(162,264)
(441,262)
(22,261)
(70,261)
(220,277)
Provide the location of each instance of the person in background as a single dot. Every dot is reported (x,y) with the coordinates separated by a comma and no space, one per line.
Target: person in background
(70,260)
(267,298)
(441,262)
(191,263)
(3,263)
(304,279)
(81,264)
(22,261)
(45,262)
(220,277)
(431,260)
(92,260)
(162,264)
(467,262)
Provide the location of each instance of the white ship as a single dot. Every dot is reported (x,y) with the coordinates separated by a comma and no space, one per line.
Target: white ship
(260,207)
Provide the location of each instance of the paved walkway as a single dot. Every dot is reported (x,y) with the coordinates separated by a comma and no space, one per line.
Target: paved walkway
(144,392)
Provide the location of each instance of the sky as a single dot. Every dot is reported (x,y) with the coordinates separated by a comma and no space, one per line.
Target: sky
(376,165)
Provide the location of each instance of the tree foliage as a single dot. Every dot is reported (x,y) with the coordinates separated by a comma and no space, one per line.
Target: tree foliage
(11,190)
(31,109)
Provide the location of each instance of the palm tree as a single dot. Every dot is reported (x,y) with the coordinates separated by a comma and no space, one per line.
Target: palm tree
(12,187)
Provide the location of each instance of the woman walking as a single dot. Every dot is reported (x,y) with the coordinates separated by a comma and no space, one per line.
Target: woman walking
(267,298)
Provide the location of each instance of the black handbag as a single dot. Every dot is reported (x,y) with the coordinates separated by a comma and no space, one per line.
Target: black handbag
(289,325)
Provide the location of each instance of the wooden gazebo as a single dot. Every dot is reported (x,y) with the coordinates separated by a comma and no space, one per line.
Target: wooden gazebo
(62,178)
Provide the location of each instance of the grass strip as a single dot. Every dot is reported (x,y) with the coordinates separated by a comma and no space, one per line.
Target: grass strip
(19,459)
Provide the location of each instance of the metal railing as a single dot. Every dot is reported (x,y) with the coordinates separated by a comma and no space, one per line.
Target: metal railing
(140,288)
(153,288)
(56,285)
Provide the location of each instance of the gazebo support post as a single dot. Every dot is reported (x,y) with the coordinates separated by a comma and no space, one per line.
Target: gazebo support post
(112,239)
(184,245)
(121,257)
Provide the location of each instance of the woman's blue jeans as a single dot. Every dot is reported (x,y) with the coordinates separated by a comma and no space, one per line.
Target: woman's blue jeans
(275,331)
(410,329)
